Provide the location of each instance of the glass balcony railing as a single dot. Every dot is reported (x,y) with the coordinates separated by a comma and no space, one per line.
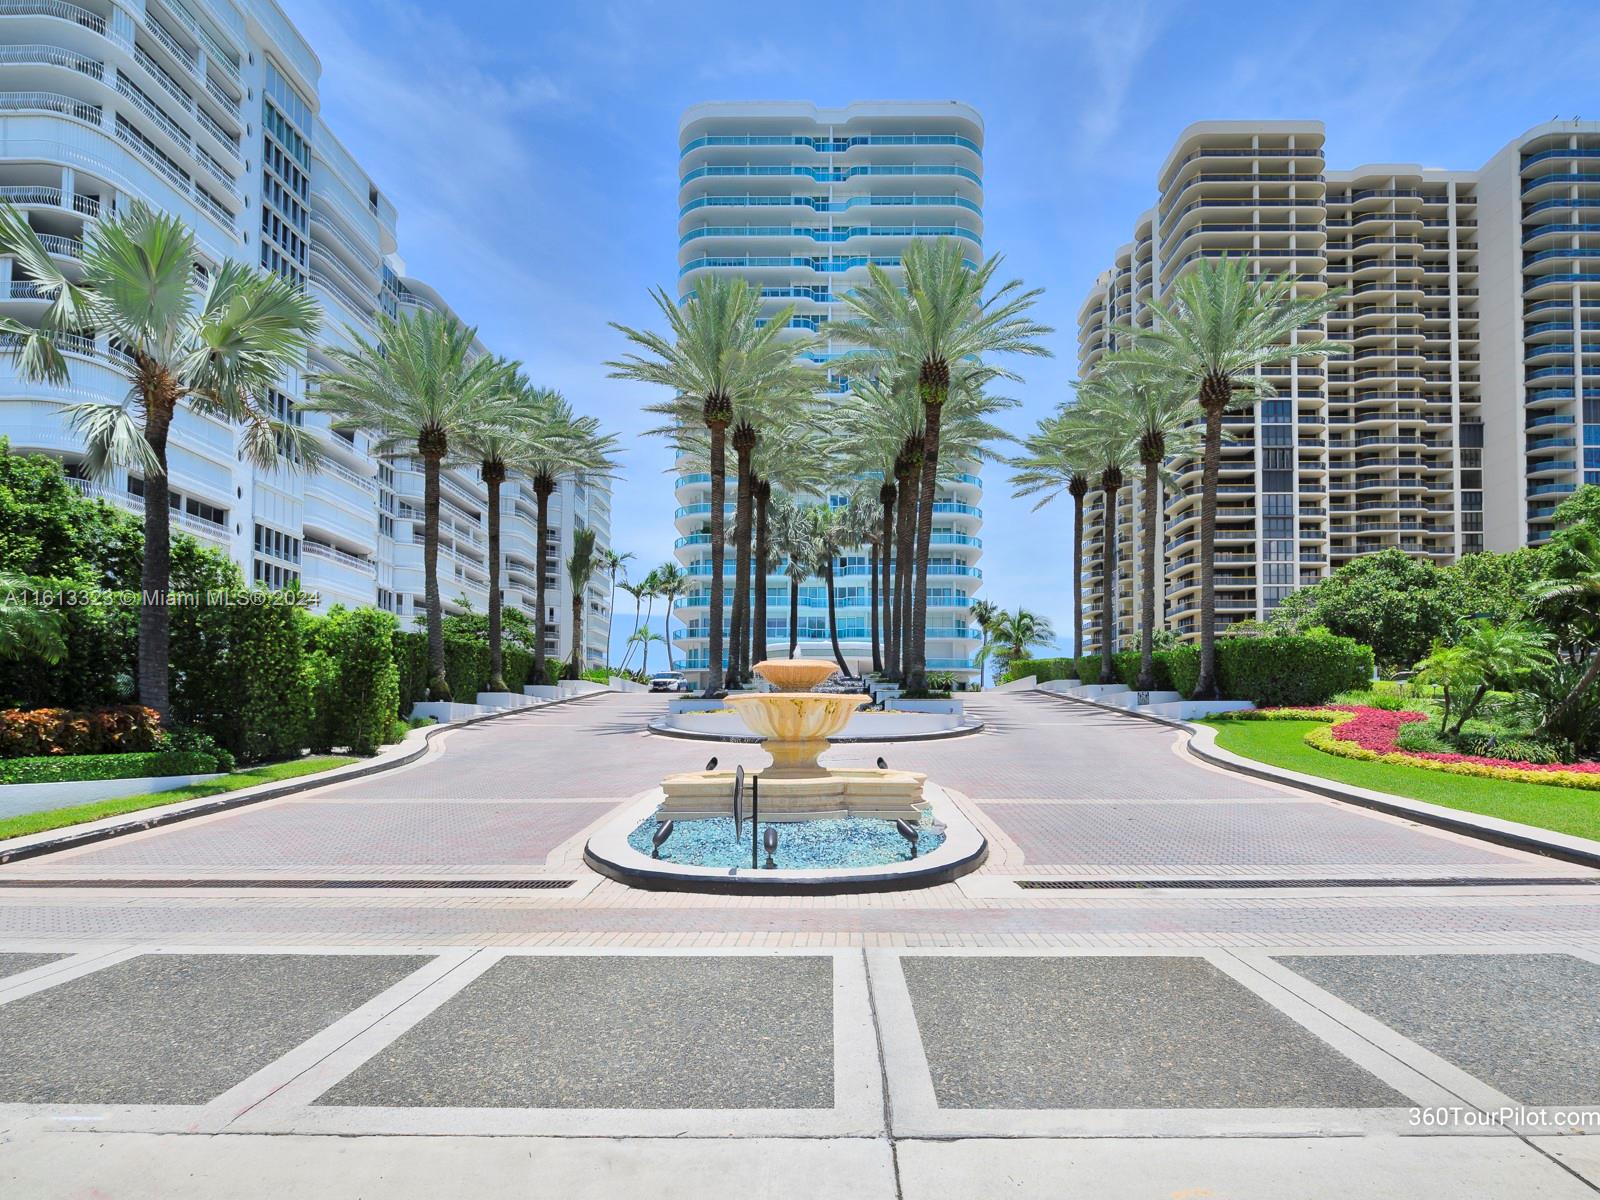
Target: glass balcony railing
(843,233)
(833,145)
(826,266)
(822,204)
(831,175)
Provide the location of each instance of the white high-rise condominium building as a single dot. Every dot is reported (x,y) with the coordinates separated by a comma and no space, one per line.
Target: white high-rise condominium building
(798,200)
(1467,404)
(208,109)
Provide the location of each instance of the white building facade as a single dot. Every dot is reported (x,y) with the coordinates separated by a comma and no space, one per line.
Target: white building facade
(208,109)
(1467,405)
(799,200)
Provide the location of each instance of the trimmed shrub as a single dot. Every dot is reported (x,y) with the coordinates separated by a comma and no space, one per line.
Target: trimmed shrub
(354,678)
(1182,665)
(1127,664)
(1291,669)
(77,768)
(239,673)
(59,731)
(1041,669)
(1088,668)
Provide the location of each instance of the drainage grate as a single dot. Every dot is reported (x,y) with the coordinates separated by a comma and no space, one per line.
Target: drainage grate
(1120,884)
(475,884)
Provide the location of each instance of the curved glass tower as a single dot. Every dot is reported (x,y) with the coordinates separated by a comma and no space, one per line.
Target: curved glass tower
(799,200)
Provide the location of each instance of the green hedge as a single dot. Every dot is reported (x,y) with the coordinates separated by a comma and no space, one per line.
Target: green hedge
(77,768)
(1277,670)
(1183,667)
(1040,668)
(466,667)
(1127,664)
(355,679)
(1089,668)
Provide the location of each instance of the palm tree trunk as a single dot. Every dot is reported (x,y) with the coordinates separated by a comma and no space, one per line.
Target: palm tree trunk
(833,618)
(794,613)
(719,492)
(155,571)
(438,685)
(886,496)
(493,473)
(872,605)
(744,441)
(905,534)
(541,495)
(1147,623)
(577,633)
(1108,558)
(1079,489)
(758,653)
(934,385)
(666,627)
(1205,687)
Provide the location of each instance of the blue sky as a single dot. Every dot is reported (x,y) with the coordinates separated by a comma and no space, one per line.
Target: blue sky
(531,150)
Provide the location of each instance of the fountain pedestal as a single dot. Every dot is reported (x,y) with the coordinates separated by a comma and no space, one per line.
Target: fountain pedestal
(795,726)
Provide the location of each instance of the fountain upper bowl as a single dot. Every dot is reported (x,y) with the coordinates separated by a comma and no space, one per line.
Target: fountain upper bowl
(794,674)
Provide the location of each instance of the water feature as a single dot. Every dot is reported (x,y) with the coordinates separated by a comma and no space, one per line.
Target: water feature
(795,723)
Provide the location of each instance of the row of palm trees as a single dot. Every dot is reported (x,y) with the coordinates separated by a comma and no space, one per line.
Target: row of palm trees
(1160,401)
(219,341)
(916,411)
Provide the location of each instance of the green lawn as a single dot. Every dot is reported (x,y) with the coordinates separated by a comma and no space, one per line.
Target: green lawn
(1281,743)
(250,777)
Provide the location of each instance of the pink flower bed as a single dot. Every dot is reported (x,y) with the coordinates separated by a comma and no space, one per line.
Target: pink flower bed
(1378,729)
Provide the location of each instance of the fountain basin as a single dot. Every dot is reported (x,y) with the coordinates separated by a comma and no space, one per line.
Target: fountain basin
(610,853)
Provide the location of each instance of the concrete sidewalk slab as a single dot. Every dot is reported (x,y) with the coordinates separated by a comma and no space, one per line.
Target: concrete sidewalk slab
(1376,1167)
(44,1165)
(177,1028)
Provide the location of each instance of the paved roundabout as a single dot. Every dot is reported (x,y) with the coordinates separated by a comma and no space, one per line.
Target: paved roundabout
(1165,977)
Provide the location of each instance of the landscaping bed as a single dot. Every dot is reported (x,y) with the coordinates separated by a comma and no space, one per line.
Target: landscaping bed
(1372,734)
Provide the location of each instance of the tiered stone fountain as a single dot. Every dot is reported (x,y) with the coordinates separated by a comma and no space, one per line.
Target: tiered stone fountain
(795,723)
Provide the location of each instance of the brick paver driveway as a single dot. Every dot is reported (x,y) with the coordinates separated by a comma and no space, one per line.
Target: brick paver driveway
(1089,1037)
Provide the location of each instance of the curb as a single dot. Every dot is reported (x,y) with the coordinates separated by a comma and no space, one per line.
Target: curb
(72,838)
(755,739)
(1545,842)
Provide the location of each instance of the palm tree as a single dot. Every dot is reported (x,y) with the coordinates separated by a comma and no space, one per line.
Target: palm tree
(523,428)
(645,638)
(939,324)
(613,564)
(719,356)
(671,582)
(794,458)
(791,538)
(878,430)
(1571,601)
(984,614)
(1114,451)
(1218,328)
(1486,656)
(638,591)
(572,447)
(1015,634)
(1158,421)
(419,385)
(580,569)
(1056,459)
(829,531)
(217,341)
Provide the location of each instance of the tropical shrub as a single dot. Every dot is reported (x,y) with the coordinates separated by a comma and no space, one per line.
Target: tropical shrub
(1088,668)
(77,768)
(59,731)
(1183,667)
